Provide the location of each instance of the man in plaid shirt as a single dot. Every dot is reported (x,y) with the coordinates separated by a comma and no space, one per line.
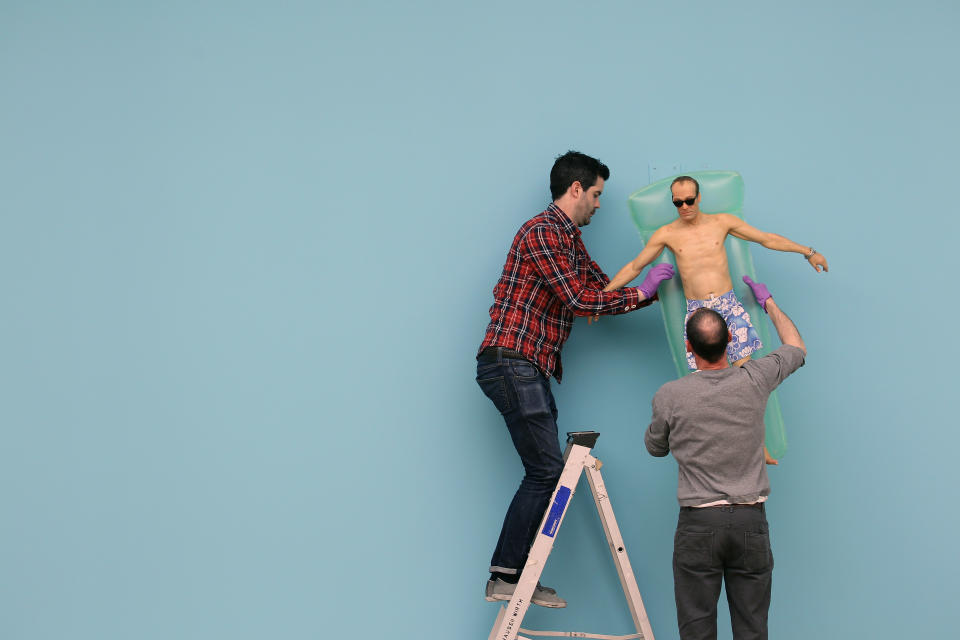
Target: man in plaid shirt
(548,279)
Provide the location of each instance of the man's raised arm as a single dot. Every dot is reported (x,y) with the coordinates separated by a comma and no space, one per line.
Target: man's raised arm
(744,231)
(633,268)
(782,323)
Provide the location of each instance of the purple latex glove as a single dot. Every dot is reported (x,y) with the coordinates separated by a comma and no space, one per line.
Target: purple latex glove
(655,276)
(760,291)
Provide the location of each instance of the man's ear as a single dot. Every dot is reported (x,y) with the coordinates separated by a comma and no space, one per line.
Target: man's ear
(576,188)
(689,348)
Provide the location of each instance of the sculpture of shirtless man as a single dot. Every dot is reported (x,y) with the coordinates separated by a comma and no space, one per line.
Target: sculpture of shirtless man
(697,241)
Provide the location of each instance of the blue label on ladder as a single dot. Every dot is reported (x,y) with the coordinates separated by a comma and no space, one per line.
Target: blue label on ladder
(556,512)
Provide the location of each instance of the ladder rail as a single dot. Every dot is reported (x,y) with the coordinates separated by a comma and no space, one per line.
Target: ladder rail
(508,625)
(618,550)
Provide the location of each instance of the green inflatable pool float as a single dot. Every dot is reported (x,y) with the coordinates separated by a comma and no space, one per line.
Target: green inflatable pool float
(721,192)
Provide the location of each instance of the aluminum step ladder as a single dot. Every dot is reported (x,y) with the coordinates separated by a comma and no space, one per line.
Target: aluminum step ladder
(577,459)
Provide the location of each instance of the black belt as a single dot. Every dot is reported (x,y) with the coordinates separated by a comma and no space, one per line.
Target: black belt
(732,507)
(489,355)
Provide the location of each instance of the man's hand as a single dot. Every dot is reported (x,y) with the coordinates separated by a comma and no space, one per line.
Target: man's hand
(655,276)
(816,261)
(759,290)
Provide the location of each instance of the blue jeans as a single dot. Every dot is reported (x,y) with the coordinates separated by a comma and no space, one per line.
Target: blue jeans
(725,544)
(522,395)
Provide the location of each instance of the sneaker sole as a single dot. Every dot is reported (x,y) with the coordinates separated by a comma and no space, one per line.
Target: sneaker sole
(550,605)
(539,603)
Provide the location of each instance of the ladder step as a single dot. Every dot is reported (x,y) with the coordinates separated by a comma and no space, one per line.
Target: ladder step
(577,634)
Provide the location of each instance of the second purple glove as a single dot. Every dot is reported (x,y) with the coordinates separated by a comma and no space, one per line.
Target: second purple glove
(655,276)
(760,292)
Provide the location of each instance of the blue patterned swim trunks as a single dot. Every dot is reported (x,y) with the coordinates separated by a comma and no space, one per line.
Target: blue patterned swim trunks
(744,339)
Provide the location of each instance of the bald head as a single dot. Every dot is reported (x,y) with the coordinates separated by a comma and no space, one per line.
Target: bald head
(708,334)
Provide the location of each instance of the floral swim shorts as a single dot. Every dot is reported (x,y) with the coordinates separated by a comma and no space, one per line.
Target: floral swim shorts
(744,340)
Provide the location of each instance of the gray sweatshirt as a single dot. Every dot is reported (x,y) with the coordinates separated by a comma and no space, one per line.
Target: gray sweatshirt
(712,422)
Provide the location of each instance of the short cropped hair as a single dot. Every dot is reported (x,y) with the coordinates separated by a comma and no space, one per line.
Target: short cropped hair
(708,334)
(686,179)
(574,166)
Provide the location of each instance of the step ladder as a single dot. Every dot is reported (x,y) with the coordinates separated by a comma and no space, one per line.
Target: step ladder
(578,458)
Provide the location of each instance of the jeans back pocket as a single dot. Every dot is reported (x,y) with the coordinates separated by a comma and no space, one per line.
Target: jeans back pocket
(692,549)
(756,551)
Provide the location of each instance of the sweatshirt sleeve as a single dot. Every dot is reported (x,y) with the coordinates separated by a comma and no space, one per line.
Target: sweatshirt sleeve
(657,437)
(772,369)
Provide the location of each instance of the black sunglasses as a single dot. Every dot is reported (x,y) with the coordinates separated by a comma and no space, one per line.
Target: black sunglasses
(689,202)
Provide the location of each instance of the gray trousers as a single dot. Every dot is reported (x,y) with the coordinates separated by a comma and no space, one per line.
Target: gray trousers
(715,545)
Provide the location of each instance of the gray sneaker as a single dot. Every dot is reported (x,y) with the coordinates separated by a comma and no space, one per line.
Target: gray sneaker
(542,596)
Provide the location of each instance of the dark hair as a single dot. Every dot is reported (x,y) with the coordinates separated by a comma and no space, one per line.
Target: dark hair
(707,333)
(686,179)
(574,166)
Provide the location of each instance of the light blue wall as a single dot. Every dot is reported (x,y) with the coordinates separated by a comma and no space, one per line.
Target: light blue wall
(247,253)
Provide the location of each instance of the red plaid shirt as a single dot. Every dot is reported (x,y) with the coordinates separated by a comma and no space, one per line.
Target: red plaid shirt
(547,280)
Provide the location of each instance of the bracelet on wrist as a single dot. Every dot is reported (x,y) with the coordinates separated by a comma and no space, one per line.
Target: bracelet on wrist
(812,253)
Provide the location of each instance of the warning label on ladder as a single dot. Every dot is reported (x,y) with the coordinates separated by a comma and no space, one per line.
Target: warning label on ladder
(556,511)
